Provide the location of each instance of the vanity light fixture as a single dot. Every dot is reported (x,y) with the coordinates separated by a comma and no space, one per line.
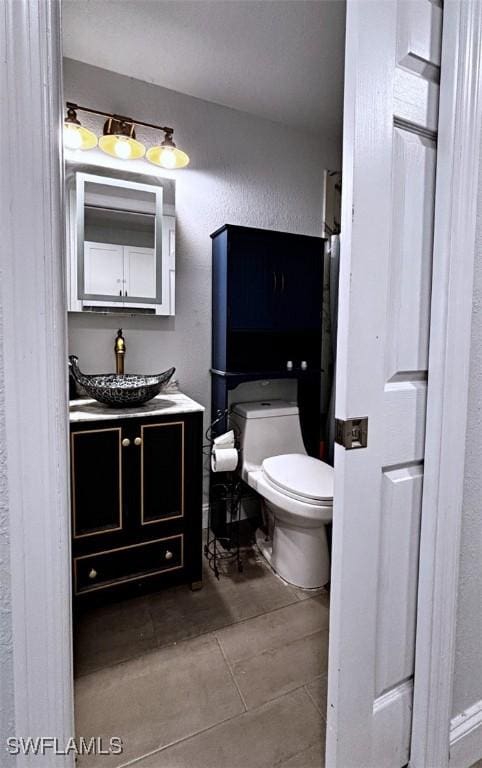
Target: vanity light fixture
(119,139)
(75,136)
(166,154)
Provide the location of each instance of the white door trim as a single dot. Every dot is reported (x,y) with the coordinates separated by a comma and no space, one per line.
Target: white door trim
(34,346)
(460,123)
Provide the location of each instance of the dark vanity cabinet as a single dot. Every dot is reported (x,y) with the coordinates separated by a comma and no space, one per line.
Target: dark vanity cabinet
(267,315)
(136,503)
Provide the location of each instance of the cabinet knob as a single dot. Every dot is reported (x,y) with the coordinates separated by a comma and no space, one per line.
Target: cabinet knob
(168,555)
(289,365)
(92,573)
(138,441)
(126,442)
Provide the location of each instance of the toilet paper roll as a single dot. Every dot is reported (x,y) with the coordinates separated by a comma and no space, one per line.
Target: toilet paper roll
(224,459)
(226,440)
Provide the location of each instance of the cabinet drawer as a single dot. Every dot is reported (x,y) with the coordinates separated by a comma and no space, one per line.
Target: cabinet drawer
(117,566)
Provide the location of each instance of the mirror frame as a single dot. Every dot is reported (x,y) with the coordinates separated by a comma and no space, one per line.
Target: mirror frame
(164,304)
(81,179)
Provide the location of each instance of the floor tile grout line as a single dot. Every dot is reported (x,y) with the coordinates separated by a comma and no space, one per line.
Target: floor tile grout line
(228,664)
(295,754)
(312,698)
(269,651)
(267,613)
(135,760)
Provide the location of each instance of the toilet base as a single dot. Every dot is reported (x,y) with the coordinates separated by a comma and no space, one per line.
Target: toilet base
(264,545)
(300,556)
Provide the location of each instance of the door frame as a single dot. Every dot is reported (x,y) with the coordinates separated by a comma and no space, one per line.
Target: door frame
(459,142)
(41,585)
(34,464)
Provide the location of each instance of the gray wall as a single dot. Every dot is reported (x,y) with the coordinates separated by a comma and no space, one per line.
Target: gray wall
(244,170)
(6,650)
(468,647)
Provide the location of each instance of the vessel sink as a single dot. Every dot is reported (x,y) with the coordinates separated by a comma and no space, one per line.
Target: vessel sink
(120,390)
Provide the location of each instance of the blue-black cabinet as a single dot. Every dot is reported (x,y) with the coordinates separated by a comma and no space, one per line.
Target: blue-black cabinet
(267,300)
(267,312)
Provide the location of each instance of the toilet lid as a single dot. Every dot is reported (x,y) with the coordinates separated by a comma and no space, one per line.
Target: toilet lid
(301,475)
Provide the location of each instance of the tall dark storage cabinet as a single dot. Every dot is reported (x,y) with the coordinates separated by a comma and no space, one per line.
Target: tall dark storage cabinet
(267,311)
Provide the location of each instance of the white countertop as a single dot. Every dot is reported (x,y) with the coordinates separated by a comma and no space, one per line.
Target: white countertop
(161,405)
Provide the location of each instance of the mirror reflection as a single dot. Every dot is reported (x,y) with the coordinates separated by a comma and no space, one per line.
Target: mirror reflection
(121,254)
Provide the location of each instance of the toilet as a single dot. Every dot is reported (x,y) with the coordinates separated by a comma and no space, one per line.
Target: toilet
(296,488)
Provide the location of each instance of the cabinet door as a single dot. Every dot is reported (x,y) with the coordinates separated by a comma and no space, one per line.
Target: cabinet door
(96,474)
(299,264)
(251,280)
(162,460)
(140,272)
(103,269)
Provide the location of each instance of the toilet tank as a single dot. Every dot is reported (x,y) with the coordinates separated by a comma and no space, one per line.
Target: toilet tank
(266,428)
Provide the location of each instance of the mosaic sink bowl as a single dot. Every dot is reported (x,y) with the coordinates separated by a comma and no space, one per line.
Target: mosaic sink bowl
(120,390)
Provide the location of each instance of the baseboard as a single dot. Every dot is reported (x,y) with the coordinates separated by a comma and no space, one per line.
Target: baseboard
(392,716)
(205,514)
(466,737)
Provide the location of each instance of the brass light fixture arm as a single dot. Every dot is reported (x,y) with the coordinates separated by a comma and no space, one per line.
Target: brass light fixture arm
(120,118)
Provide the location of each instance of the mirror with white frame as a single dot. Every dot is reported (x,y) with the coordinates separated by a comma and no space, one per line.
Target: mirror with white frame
(120,242)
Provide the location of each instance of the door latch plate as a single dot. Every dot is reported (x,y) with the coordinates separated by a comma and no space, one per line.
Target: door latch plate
(352,433)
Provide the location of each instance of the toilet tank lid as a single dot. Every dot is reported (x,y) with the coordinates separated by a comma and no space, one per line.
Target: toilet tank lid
(302,475)
(262,409)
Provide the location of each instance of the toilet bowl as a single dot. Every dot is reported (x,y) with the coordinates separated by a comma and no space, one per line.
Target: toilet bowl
(296,488)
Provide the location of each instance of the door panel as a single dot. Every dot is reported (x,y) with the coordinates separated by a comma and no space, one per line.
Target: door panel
(298,299)
(104,269)
(253,281)
(162,471)
(140,272)
(390,122)
(96,467)
(410,267)
(397,589)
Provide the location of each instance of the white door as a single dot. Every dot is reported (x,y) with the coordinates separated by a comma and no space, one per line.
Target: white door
(103,269)
(390,125)
(140,272)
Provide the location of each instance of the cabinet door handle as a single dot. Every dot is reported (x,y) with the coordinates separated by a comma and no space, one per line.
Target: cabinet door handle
(282,282)
(138,441)
(168,555)
(126,442)
(92,573)
(275,281)
(125,294)
(120,292)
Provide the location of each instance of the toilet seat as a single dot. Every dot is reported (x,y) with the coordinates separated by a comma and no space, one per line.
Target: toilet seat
(300,477)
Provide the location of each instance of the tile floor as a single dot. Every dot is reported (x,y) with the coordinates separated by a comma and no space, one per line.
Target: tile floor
(232,675)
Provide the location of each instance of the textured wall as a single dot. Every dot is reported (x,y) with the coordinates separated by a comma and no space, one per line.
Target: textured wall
(6,651)
(245,170)
(468,649)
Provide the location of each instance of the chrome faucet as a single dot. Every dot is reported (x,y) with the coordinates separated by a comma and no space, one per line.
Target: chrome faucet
(120,352)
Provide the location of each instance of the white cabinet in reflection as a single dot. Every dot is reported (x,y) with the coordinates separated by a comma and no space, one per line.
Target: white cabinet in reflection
(139,271)
(121,237)
(120,271)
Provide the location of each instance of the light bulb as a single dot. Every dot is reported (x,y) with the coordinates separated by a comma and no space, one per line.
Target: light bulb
(72,137)
(122,149)
(167,158)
